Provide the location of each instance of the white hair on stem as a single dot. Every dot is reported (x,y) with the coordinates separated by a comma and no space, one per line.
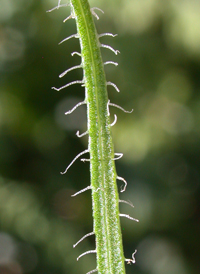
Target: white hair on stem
(108,108)
(81,191)
(81,135)
(92,271)
(75,107)
(110,48)
(117,106)
(85,236)
(69,17)
(77,156)
(112,84)
(94,13)
(111,63)
(107,34)
(128,217)
(59,6)
(95,190)
(77,53)
(126,202)
(85,160)
(69,84)
(131,261)
(115,120)
(69,37)
(119,156)
(70,69)
(85,253)
(125,183)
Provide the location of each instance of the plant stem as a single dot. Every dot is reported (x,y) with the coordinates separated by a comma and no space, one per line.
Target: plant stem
(105,201)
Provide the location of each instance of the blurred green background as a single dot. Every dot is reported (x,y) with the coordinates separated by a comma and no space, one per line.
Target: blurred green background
(159,76)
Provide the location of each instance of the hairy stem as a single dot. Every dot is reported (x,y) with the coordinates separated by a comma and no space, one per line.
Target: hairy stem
(105,201)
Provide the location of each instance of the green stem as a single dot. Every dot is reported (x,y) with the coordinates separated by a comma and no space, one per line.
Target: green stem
(105,201)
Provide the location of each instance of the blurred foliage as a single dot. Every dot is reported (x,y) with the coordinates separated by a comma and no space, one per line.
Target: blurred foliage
(159,76)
